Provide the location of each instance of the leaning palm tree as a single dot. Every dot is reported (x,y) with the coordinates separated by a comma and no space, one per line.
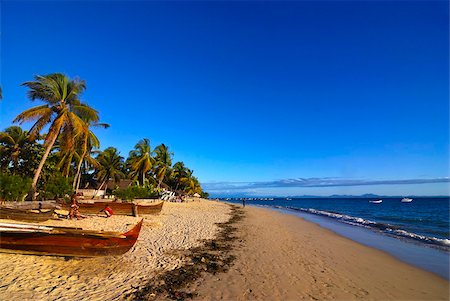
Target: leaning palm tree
(110,166)
(163,161)
(140,160)
(62,111)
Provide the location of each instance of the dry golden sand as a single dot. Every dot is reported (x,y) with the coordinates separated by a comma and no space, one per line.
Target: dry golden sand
(282,257)
(179,226)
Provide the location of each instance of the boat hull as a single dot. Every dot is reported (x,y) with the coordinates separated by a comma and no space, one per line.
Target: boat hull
(149,208)
(62,241)
(26,215)
(119,208)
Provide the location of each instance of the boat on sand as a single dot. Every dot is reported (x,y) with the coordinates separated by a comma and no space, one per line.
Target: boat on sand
(26,215)
(65,241)
(119,208)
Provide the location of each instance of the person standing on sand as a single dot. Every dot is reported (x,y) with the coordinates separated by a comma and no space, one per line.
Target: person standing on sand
(243,202)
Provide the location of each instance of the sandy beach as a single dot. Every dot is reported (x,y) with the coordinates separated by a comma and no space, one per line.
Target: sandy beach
(278,257)
(179,226)
(282,257)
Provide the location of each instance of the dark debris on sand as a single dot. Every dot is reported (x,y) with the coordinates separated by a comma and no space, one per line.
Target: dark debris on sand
(213,256)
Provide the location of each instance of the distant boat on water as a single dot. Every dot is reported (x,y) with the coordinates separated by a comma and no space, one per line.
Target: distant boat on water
(376,201)
(407,200)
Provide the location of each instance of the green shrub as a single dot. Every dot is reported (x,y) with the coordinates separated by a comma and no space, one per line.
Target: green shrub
(57,186)
(136,192)
(13,187)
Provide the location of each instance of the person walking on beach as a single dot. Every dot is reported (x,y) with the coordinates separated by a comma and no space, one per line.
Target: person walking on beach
(243,202)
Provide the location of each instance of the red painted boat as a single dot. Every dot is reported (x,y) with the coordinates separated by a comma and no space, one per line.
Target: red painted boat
(65,241)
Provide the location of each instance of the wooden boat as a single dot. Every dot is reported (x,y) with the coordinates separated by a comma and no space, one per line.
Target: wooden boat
(119,208)
(65,241)
(26,215)
(149,208)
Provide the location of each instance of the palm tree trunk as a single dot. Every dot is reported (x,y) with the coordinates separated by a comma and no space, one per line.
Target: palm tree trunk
(76,181)
(101,185)
(32,193)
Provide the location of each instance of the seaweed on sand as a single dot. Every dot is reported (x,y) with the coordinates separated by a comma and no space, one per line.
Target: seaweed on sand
(213,256)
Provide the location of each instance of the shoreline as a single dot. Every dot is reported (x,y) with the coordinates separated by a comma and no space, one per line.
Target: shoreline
(284,257)
(209,250)
(426,257)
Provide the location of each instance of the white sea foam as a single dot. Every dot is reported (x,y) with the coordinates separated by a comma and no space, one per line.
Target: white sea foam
(385,228)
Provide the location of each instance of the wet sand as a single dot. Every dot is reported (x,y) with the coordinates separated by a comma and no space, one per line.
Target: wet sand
(282,257)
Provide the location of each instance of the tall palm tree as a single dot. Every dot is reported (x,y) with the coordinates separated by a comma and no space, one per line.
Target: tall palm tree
(179,173)
(12,143)
(87,141)
(163,161)
(62,110)
(110,166)
(141,160)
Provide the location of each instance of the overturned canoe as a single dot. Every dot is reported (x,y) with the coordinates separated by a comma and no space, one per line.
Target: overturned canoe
(26,215)
(65,241)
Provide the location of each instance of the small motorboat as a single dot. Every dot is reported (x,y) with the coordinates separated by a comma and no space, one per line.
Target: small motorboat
(407,200)
(376,201)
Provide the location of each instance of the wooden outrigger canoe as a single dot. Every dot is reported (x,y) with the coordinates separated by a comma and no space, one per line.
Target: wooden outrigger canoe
(149,208)
(26,215)
(65,241)
(119,208)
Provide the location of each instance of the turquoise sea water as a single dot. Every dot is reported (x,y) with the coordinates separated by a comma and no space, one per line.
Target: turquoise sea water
(416,232)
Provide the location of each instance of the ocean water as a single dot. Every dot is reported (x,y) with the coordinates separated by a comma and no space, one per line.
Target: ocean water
(416,233)
(423,221)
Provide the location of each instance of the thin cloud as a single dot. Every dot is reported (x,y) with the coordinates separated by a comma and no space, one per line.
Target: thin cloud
(316,182)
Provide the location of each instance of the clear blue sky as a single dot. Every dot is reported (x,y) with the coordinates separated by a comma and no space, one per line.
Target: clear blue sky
(254,92)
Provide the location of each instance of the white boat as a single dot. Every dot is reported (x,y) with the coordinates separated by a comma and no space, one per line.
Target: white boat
(407,200)
(376,201)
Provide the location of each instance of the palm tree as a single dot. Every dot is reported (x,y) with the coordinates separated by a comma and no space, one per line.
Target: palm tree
(12,144)
(62,110)
(192,185)
(110,166)
(179,174)
(163,161)
(141,160)
(87,141)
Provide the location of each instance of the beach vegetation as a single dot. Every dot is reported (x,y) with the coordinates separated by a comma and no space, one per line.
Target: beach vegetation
(57,186)
(137,192)
(13,187)
(60,152)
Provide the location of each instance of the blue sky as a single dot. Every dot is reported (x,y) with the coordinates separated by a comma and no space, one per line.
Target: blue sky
(254,92)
